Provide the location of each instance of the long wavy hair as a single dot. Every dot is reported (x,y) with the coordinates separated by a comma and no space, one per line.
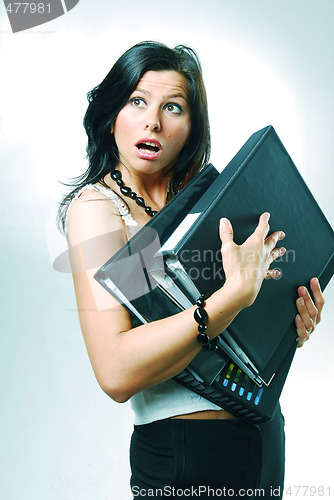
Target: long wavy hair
(108,98)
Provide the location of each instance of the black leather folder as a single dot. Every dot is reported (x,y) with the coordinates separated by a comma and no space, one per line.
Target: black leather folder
(176,256)
(261,177)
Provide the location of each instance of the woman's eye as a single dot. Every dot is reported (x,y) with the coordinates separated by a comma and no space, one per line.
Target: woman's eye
(173,108)
(137,102)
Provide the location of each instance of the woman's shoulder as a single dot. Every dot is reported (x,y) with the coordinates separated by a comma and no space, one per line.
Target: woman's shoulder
(96,208)
(91,214)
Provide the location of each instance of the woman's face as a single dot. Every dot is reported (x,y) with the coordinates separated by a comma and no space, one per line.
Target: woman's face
(154,125)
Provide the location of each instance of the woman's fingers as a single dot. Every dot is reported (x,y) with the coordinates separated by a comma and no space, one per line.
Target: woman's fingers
(319,300)
(263,227)
(303,333)
(225,231)
(309,311)
(273,274)
(258,251)
(275,254)
(309,306)
(273,239)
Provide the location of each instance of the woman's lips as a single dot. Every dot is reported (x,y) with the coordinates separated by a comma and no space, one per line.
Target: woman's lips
(148,149)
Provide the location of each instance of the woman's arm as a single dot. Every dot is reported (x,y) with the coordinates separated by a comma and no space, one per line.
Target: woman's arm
(126,360)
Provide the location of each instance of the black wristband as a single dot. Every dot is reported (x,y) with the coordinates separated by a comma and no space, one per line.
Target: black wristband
(201,317)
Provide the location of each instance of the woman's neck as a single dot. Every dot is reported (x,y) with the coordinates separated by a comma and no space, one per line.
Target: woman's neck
(152,187)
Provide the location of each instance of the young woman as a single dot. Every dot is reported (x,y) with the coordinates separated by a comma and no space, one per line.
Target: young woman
(148,134)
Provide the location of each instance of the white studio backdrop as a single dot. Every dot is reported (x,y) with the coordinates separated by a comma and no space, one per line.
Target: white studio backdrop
(264,62)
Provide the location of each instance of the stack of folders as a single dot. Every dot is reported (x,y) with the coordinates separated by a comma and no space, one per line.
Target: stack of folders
(166,266)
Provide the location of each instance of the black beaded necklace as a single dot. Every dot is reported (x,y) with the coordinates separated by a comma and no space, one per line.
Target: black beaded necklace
(127,191)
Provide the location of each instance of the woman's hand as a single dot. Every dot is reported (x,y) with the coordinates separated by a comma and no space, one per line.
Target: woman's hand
(309,311)
(247,265)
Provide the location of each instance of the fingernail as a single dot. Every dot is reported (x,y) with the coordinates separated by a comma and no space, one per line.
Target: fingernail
(303,291)
(298,317)
(268,215)
(224,222)
(282,235)
(315,281)
(301,302)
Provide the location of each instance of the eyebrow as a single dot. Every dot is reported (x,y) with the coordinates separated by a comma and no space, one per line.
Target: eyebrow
(169,96)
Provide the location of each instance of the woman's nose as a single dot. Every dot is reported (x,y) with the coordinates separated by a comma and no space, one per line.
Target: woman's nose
(152,121)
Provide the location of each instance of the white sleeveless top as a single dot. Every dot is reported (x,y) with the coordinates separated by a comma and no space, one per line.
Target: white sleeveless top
(168,398)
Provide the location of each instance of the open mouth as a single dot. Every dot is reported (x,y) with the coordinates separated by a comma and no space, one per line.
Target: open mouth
(148,147)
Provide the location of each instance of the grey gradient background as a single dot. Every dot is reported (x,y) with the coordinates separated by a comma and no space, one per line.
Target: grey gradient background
(264,61)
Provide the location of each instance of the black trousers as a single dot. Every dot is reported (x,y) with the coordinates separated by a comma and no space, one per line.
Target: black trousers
(186,458)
